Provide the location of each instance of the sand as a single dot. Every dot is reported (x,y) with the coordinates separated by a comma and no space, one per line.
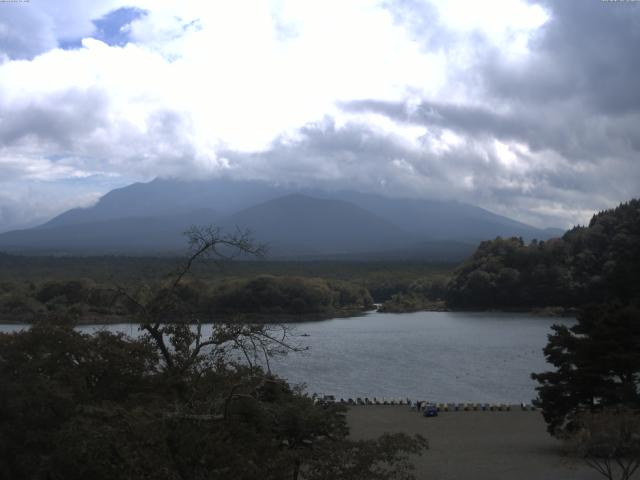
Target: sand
(475,445)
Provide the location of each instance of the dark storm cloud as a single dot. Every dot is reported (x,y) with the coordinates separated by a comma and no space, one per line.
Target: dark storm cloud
(371,158)
(538,189)
(468,119)
(576,93)
(60,119)
(563,128)
(588,50)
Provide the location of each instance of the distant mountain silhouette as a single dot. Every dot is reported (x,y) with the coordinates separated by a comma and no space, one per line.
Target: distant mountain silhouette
(150,217)
(163,197)
(302,224)
(444,220)
(139,235)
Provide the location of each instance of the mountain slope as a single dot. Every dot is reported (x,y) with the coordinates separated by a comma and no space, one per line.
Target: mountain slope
(302,224)
(444,220)
(162,197)
(148,217)
(150,235)
(434,219)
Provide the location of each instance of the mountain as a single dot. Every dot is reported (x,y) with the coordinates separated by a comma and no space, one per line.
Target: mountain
(444,220)
(162,197)
(149,218)
(301,224)
(140,235)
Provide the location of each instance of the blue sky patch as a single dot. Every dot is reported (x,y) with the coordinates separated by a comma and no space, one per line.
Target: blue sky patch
(112,29)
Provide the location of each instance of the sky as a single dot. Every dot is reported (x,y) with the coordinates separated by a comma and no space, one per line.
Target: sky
(530,109)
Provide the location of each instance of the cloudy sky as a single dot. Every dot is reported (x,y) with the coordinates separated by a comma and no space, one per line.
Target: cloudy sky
(528,108)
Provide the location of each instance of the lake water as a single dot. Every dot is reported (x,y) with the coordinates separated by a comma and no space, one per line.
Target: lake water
(436,356)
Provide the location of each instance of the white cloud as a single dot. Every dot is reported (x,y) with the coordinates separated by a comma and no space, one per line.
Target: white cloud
(250,77)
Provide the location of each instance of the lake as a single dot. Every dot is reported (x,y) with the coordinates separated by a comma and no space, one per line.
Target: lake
(436,356)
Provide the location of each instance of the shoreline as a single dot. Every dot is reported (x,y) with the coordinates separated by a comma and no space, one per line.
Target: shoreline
(110,319)
(549,311)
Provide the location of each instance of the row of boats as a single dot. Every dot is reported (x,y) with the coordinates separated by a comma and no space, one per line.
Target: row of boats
(422,405)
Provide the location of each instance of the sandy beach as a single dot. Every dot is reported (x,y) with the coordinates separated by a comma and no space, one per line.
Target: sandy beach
(475,445)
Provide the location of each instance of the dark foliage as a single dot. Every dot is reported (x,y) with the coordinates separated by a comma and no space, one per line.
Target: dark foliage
(598,263)
(267,294)
(597,365)
(261,296)
(423,294)
(173,404)
(609,442)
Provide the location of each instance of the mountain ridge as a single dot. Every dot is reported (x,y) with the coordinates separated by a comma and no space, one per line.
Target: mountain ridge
(295,221)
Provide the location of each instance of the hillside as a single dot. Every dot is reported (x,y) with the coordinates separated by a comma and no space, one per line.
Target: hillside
(596,263)
(148,218)
(299,223)
(141,235)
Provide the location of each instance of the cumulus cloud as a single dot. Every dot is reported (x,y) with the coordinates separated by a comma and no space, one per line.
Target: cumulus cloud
(527,108)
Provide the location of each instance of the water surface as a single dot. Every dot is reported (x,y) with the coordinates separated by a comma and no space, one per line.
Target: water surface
(438,356)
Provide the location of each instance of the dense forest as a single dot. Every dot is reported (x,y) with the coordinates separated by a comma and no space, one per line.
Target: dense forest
(86,288)
(596,263)
(264,296)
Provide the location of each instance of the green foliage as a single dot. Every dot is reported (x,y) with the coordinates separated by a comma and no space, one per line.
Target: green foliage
(261,296)
(268,294)
(597,365)
(422,294)
(173,404)
(597,263)
(104,406)
(48,373)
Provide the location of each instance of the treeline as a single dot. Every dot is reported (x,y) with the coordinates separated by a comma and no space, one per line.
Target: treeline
(261,296)
(382,279)
(83,287)
(271,295)
(598,263)
(423,294)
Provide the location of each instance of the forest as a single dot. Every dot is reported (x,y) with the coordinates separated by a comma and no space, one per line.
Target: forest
(595,263)
(86,288)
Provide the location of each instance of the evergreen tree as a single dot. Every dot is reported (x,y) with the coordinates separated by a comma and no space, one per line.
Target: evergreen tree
(597,366)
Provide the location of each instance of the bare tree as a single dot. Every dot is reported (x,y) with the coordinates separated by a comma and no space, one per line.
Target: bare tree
(175,329)
(609,441)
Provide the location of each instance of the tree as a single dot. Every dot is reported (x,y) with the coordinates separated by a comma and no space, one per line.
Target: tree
(597,364)
(609,441)
(172,404)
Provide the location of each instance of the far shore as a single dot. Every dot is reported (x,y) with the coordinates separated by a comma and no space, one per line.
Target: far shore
(550,311)
(110,319)
(475,445)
